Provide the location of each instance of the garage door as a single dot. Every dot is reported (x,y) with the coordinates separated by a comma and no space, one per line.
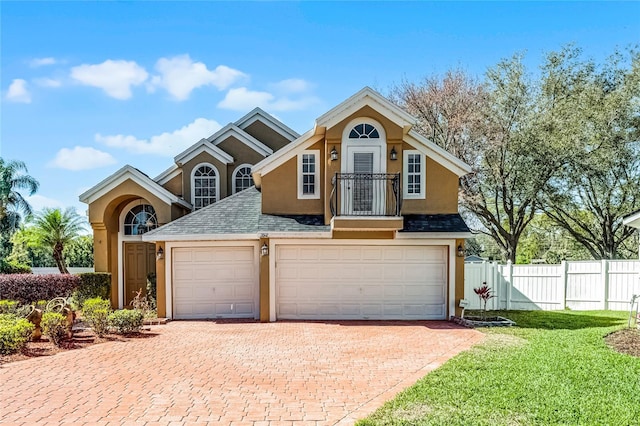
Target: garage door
(215,282)
(361,282)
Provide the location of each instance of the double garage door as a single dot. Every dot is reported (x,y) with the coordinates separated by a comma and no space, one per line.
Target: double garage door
(361,282)
(329,282)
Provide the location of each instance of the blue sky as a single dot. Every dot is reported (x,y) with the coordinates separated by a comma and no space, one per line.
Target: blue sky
(89,87)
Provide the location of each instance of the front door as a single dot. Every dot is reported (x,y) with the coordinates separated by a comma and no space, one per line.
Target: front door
(361,194)
(139,261)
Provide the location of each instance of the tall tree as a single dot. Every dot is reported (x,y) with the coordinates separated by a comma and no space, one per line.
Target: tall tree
(13,179)
(596,116)
(56,229)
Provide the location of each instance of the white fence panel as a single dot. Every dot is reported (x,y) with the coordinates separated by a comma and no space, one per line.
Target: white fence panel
(624,282)
(577,285)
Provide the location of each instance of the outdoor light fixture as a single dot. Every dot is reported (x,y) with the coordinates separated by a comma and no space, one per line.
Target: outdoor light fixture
(334,154)
(460,250)
(264,250)
(393,155)
(160,254)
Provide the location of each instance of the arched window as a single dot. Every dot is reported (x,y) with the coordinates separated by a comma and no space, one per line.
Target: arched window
(140,219)
(364,131)
(242,178)
(205,186)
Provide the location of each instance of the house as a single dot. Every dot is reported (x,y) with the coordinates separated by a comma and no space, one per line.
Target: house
(355,219)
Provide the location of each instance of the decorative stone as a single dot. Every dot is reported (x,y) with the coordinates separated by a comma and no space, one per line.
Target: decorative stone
(35,318)
(488,322)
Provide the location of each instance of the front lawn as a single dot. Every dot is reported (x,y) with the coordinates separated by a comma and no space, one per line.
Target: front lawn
(553,368)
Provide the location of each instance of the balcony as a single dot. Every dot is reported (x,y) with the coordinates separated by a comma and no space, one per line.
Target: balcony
(366,200)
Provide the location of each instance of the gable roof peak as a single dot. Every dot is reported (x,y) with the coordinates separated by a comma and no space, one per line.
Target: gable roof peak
(258,114)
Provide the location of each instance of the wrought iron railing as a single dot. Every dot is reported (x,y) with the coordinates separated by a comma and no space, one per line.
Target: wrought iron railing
(366,194)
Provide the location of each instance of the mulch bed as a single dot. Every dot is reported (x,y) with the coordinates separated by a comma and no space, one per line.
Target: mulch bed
(625,341)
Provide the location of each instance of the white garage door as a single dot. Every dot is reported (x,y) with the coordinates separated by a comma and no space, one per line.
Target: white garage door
(215,282)
(361,282)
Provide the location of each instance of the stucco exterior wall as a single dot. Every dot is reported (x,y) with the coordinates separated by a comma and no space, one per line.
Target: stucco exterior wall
(174,185)
(266,135)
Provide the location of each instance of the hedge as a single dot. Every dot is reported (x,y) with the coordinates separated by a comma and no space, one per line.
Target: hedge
(13,268)
(29,288)
(92,285)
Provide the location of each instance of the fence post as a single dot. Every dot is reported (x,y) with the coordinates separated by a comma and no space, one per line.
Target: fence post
(564,268)
(509,283)
(604,277)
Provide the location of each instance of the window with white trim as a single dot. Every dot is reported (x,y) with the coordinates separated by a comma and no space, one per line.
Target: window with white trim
(242,179)
(140,220)
(308,174)
(205,186)
(414,174)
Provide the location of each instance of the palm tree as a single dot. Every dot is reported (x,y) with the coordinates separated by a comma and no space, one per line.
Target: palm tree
(56,228)
(13,178)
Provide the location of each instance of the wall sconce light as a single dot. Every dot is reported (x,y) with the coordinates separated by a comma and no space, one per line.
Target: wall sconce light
(264,250)
(160,254)
(334,154)
(460,250)
(393,155)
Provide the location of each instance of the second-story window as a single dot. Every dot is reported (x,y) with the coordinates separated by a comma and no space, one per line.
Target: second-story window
(242,179)
(308,174)
(414,174)
(205,186)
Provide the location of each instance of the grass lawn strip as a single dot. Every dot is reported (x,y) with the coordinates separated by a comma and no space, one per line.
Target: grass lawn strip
(553,368)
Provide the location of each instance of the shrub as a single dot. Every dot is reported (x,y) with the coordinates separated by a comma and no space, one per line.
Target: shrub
(126,321)
(151,291)
(29,288)
(14,333)
(54,326)
(8,306)
(92,284)
(7,267)
(96,312)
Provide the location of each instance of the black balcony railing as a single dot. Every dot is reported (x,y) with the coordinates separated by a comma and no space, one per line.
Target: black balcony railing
(366,194)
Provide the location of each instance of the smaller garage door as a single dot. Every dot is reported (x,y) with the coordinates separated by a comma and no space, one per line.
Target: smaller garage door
(215,282)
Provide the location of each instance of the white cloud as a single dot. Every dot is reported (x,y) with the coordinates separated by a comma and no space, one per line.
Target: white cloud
(19,92)
(81,158)
(165,144)
(39,62)
(180,76)
(243,99)
(39,202)
(291,85)
(114,77)
(47,82)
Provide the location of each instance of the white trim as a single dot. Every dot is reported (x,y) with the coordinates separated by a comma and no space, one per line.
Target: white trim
(284,154)
(276,125)
(405,174)
(366,97)
(450,243)
(233,176)
(168,249)
(193,188)
(167,175)
(244,137)
(198,237)
(130,173)
(316,185)
(442,156)
(632,220)
(429,235)
(203,146)
(297,235)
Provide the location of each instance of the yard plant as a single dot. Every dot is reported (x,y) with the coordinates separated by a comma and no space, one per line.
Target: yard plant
(552,368)
(54,327)
(96,313)
(14,333)
(126,321)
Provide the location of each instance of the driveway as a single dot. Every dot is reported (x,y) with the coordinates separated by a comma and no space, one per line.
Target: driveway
(232,373)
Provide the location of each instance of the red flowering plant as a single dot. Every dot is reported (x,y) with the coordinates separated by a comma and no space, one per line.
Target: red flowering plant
(485,293)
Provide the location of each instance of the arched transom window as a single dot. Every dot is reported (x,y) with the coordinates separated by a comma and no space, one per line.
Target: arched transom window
(140,219)
(205,180)
(242,179)
(364,131)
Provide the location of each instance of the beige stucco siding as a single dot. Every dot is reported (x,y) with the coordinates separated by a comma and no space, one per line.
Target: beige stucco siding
(174,185)
(242,154)
(266,135)
(280,189)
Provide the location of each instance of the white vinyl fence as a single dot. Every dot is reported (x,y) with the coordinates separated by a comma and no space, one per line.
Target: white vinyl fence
(579,285)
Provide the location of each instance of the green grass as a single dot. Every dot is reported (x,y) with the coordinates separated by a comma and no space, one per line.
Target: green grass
(553,368)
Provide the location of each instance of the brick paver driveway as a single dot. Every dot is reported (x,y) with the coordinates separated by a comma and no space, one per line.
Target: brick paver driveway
(315,373)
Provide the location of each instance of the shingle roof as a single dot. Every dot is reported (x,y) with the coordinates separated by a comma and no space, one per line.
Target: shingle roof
(238,214)
(434,223)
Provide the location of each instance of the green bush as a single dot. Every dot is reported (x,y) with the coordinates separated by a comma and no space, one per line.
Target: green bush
(14,333)
(92,285)
(126,321)
(7,267)
(96,312)
(54,326)
(8,306)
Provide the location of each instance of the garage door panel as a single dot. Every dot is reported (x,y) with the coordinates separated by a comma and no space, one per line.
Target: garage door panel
(361,282)
(214,282)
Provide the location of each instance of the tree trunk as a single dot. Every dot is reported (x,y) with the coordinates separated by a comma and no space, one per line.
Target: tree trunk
(59,258)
